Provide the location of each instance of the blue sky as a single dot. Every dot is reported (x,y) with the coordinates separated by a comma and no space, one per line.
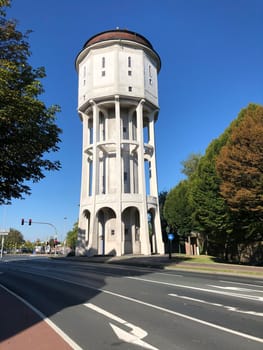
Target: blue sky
(212,67)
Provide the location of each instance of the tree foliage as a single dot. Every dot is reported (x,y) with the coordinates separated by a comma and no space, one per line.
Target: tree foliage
(72,236)
(210,214)
(27,127)
(13,240)
(177,210)
(240,163)
(223,194)
(240,166)
(190,164)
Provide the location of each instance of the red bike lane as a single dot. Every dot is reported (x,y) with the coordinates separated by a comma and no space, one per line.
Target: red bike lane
(23,329)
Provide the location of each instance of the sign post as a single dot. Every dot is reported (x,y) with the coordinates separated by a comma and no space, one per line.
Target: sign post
(170,238)
(3,234)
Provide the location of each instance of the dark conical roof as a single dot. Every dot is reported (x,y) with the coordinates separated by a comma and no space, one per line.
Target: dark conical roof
(116,34)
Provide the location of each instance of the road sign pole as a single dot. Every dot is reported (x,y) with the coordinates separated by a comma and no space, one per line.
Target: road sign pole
(3,233)
(170,238)
(2,246)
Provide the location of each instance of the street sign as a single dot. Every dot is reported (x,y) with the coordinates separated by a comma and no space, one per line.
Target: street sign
(3,233)
(170,236)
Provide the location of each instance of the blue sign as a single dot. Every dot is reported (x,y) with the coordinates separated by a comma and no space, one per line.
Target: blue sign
(170,236)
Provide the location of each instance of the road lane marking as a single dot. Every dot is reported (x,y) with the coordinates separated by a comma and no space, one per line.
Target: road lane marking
(242,296)
(58,330)
(229,308)
(159,308)
(237,289)
(136,334)
(245,284)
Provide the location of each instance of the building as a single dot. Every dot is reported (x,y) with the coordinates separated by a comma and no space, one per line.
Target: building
(118,106)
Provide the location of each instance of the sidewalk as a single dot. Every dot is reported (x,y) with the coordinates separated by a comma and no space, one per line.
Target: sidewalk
(175,263)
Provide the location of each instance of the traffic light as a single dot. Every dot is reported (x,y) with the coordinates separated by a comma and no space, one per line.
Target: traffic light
(22,221)
(29,222)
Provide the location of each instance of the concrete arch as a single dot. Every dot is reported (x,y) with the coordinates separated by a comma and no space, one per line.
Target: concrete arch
(86,216)
(131,230)
(106,231)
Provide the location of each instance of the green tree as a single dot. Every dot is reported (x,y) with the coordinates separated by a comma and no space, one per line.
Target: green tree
(13,240)
(210,213)
(177,210)
(190,165)
(27,127)
(72,236)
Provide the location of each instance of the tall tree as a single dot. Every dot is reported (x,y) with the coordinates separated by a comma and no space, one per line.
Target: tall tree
(72,237)
(14,239)
(177,210)
(210,214)
(27,127)
(240,166)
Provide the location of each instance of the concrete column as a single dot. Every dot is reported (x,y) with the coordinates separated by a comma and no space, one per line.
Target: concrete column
(119,179)
(157,240)
(93,223)
(85,167)
(144,230)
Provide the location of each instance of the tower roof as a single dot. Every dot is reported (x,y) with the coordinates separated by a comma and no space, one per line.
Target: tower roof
(116,34)
(120,34)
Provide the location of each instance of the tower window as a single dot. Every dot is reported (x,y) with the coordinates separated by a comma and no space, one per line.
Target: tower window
(125,176)
(130,88)
(129,61)
(103,73)
(103,62)
(129,72)
(150,71)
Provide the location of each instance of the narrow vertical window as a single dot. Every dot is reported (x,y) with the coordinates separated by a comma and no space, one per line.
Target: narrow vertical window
(129,61)
(150,71)
(84,75)
(103,62)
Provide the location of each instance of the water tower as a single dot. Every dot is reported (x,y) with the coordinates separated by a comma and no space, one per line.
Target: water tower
(118,106)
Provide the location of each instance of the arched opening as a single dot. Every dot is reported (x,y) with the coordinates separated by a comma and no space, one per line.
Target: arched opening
(106,231)
(131,229)
(86,215)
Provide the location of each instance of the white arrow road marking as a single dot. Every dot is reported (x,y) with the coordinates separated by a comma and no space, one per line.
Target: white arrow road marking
(130,338)
(134,336)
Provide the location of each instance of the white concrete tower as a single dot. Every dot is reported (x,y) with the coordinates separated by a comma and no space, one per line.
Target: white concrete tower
(118,106)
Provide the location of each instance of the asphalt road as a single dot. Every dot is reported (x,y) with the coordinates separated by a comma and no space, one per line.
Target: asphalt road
(101,306)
